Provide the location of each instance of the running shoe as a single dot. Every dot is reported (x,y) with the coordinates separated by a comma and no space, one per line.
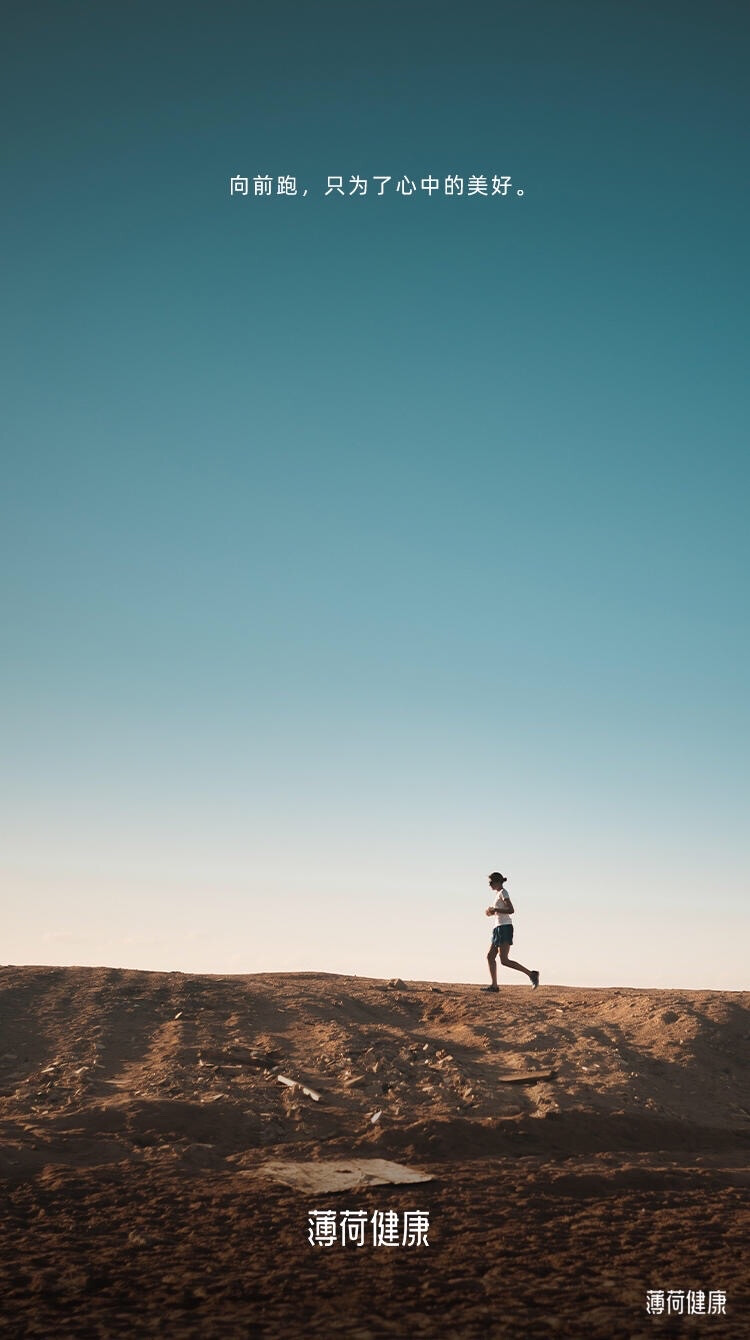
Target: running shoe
(534,980)
(490,988)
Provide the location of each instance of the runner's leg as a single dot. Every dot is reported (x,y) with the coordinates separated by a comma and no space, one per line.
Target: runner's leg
(511,962)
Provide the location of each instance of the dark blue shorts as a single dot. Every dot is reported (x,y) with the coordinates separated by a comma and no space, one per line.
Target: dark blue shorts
(502,935)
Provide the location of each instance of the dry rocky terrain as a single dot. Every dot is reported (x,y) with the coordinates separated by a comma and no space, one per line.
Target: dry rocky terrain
(585,1146)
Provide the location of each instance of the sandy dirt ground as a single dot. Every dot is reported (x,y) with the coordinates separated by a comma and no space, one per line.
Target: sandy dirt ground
(586,1147)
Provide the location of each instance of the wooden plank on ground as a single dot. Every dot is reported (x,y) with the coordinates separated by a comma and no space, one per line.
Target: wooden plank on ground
(524,1076)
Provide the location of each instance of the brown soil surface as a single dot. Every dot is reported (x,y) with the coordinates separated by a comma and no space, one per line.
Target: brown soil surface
(137,1110)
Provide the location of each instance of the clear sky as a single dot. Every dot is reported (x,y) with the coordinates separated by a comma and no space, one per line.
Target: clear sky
(354,547)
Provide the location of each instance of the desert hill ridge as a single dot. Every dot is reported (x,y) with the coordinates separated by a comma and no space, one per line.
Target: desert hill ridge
(153,1063)
(584,1147)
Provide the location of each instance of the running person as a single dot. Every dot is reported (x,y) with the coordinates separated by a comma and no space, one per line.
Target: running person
(502,935)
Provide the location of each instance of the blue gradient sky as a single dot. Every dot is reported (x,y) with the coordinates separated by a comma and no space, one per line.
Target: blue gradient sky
(356,548)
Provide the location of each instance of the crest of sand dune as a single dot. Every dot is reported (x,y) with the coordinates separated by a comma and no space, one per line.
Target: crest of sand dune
(101,1065)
